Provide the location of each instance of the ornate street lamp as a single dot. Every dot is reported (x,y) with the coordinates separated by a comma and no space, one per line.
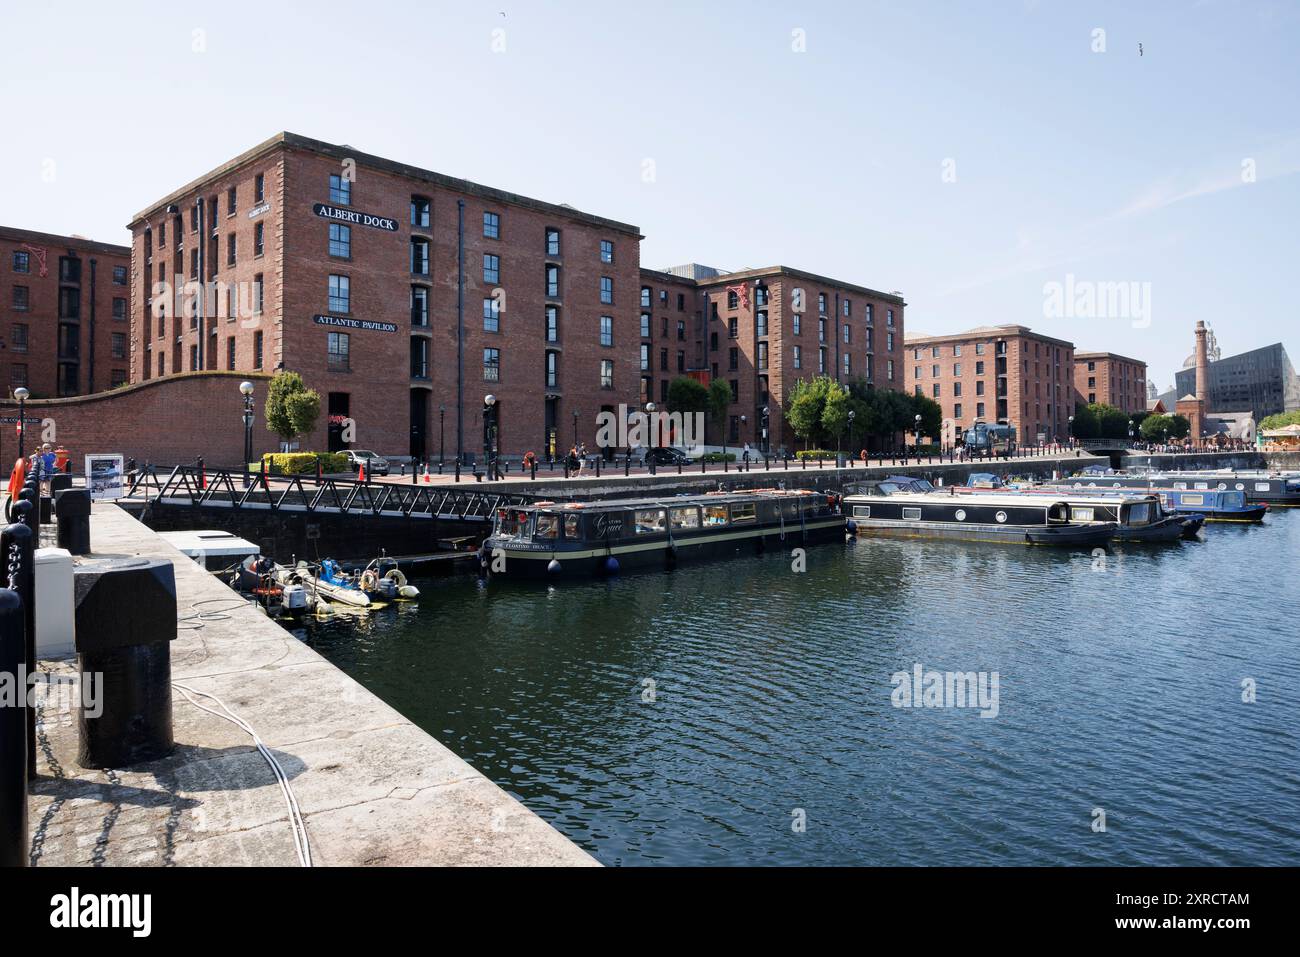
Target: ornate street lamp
(21,393)
(246,389)
(489,435)
(442,434)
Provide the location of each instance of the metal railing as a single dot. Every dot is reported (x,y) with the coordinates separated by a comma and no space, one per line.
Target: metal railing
(194,485)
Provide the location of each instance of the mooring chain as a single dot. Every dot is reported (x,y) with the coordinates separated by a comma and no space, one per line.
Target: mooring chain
(15,563)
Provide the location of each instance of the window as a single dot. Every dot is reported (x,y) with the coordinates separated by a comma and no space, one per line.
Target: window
(645,357)
(762,357)
(889,369)
(419,212)
(119,273)
(419,306)
(259,187)
(715,514)
(18,338)
(681,361)
(889,317)
(552,241)
(259,239)
(956,350)
(340,190)
(733,329)
(821,303)
(118,345)
(606,251)
(934,371)
(760,322)
(340,241)
(491,364)
(18,375)
(681,302)
(848,333)
(956,410)
(119,307)
(491,226)
(69,269)
(686,517)
(230,353)
(733,359)
(22,298)
(69,303)
(606,290)
(607,373)
(796,324)
(821,330)
(979,410)
(552,324)
(419,357)
(419,256)
(956,368)
(743,513)
(848,364)
(681,330)
(22,262)
(606,330)
(761,295)
(848,308)
(116,378)
(257,294)
(257,353)
(798,357)
(821,360)
(339,346)
(232,204)
(340,294)
(979,387)
(491,268)
(956,389)
(553,281)
(663,360)
(552,369)
(979,351)
(492,314)
(936,390)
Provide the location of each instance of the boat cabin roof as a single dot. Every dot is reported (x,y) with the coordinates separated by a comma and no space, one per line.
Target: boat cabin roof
(672,501)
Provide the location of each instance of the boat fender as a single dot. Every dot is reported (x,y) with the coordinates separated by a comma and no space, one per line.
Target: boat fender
(369,581)
(611,565)
(324,609)
(408,591)
(553,567)
(396,576)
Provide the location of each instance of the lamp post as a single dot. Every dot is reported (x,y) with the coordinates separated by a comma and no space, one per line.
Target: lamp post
(442,434)
(849,425)
(489,435)
(246,389)
(916,433)
(653,422)
(21,393)
(575,429)
(1130,430)
(764,418)
(1069,429)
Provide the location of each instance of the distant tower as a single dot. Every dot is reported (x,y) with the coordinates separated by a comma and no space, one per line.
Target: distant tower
(1202,362)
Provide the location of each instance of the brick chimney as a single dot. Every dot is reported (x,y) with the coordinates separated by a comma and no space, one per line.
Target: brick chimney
(1202,363)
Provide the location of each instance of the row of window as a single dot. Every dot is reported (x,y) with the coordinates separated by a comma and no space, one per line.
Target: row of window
(69,268)
(20,335)
(211,358)
(69,303)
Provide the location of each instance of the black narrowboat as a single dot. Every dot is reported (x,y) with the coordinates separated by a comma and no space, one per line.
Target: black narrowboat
(1259,487)
(581,539)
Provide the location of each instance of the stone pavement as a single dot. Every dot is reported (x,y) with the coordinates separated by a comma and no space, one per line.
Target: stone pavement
(373,787)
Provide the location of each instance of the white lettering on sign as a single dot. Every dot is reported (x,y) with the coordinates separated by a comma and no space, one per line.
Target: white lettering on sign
(346,323)
(326,211)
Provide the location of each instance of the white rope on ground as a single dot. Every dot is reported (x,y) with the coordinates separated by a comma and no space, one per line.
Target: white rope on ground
(299,827)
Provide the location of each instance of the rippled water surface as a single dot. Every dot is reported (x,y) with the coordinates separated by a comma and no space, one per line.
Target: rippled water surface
(1120,688)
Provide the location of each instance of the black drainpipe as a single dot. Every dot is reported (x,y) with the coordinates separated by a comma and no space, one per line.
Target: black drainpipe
(90,365)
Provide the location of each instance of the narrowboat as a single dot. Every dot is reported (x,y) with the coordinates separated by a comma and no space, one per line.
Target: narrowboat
(1259,487)
(578,539)
(1216,505)
(890,510)
(1137,517)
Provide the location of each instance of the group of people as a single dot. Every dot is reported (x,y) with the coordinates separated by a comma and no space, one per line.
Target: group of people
(576,458)
(45,461)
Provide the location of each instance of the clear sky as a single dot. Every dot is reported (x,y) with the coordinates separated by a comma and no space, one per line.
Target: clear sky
(965,154)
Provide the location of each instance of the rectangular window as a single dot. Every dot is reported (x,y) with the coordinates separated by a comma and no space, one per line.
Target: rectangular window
(119,307)
(848,364)
(848,333)
(22,261)
(491,226)
(230,250)
(119,274)
(257,294)
(22,298)
(956,410)
(419,357)
(956,389)
(686,517)
(936,390)
(257,350)
(663,360)
(18,338)
(232,204)
(492,314)
(798,357)
(606,251)
(491,269)
(552,369)
(552,324)
(552,242)
(649,521)
(645,297)
(259,187)
(762,357)
(340,294)
(743,513)
(419,212)
(339,349)
(607,373)
(259,239)
(681,330)
(715,514)
(606,330)
(340,241)
(340,190)
(553,281)
(230,354)
(118,345)
(69,269)
(419,256)
(760,322)
(606,290)
(796,324)
(645,357)
(492,365)
(420,306)
(681,361)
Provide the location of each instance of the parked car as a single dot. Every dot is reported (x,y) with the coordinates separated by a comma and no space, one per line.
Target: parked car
(666,455)
(375,464)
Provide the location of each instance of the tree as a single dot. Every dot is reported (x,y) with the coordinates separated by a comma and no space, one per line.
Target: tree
(931,416)
(291,408)
(687,395)
(804,407)
(1085,425)
(835,412)
(894,413)
(720,399)
(1280,420)
(1154,428)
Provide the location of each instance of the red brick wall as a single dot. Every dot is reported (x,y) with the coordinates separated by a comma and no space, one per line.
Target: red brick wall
(1112,379)
(165,421)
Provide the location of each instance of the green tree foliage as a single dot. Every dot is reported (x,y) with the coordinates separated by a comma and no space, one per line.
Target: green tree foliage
(291,408)
(805,405)
(1280,421)
(687,395)
(1155,427)
(931,416)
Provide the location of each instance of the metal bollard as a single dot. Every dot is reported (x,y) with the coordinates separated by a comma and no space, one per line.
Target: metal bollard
(18,546)
(73,509)
(14,834)
(125,623)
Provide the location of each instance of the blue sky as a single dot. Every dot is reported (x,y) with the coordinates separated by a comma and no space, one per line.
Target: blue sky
(1108,166)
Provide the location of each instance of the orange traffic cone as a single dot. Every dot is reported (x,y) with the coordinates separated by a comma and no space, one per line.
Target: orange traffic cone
(361,472)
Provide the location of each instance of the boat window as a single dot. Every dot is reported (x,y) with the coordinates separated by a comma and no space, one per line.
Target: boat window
(548,525)
(1222,486)
(960,515)
(1139,514)
(861,511)
(1057,514)
(715,515)
(1001,516)
(1080,513)
(911,514)
(1202,485)
(1180,485)
(512,524)
(685,517)
(573,527)
(742,513)
(1240,487)
(1191,498)
(649,521)
(1261,486)
(1235,500)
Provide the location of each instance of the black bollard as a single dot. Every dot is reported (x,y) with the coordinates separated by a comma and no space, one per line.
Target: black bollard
(14,834)
(58,483)
(72,506)
(17,545)
(32,495)
(125,623)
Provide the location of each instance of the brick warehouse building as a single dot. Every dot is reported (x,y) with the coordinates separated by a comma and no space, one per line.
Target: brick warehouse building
(345,267)
(66,329)
(1006,374)
(766,328)
(1114,379)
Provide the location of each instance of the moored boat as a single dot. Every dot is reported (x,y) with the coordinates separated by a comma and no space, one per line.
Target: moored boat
(1214,504)
(1137,517)
(577,539)
(1258,486)
(887,509)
